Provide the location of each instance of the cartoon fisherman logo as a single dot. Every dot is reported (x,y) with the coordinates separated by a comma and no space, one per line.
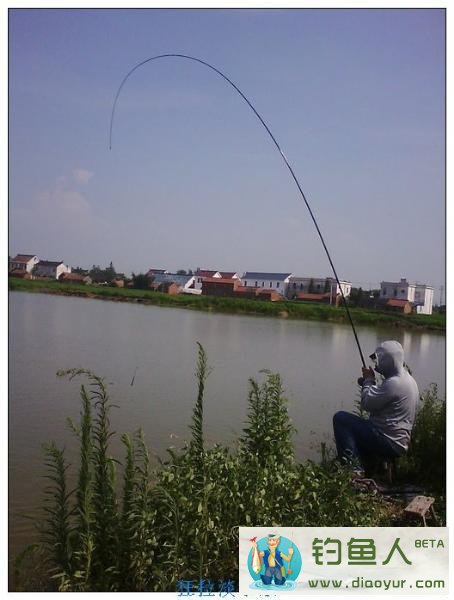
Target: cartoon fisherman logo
(274,561)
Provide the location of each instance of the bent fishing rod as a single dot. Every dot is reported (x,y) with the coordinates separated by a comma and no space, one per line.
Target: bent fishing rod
(284,158)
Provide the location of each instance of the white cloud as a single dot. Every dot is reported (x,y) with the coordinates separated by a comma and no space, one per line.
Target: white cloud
(82,176)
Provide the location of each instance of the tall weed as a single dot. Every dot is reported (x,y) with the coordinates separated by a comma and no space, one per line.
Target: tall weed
(179,520)
(425,462)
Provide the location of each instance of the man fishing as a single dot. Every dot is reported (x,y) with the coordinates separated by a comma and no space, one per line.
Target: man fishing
(391,405)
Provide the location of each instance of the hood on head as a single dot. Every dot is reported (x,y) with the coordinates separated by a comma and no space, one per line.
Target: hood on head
(390,358)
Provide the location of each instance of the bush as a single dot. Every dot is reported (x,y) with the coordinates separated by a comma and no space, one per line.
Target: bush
(180,520)
(425,462)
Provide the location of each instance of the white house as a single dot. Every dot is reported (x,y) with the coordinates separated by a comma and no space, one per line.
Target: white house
(402,290)
(51,268)
(424,299)
(420,294)
(23,262)
(317,285)
(269,281)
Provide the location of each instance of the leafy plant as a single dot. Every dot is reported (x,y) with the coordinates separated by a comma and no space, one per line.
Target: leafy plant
(425,462)
(179,520)
(57,526)
(268,427)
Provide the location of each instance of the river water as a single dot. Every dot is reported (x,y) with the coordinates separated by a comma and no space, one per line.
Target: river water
(318,362)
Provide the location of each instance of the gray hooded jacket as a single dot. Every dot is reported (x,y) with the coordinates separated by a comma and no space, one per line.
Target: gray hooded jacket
(392,404)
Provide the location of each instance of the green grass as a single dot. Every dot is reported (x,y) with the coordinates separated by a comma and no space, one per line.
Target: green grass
(179,520)
(282,309)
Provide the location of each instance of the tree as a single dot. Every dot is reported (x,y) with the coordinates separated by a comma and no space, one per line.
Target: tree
(327,285)
(141,281)
(356,297)
(96,274)
(79,270)
(311,286)
(99,275)
(181,272)
(110,272)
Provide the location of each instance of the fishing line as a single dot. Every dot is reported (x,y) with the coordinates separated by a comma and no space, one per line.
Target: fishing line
(295,179)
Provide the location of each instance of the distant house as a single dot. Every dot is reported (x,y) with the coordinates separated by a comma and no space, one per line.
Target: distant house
(399,305)
(23,262)
(118,283)
(151,272)
(306,297)
(166,287)
(201,274)
(245,291)
(317,285)
(219,286)
(420,295)
(402,290)
(51,268)
(256,293)
(21,274)
(75,278)
(424,299)
(230,275)
(183,283)
(223,287)
(269,295)
(274,281)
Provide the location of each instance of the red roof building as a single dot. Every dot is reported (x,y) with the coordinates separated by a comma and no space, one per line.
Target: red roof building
(401,305)
(74,278)
(207,273)
(23,262)
(229,275)
(23,258)
(218,286)
(202,274)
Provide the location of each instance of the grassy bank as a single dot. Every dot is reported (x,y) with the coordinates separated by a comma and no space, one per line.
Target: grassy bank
(284,309)
(180,521)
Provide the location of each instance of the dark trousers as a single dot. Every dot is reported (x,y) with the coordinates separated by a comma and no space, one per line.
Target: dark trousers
(271,572)
(357,440)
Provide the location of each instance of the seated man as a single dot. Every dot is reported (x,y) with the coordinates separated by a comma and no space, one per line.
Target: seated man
(392,408)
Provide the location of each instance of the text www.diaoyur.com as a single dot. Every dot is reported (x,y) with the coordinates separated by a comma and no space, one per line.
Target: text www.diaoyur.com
(379,584)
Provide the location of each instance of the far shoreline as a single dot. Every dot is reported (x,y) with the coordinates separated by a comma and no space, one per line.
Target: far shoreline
(285,309)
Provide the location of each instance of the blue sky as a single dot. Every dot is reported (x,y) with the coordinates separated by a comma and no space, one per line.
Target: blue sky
(356,99)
